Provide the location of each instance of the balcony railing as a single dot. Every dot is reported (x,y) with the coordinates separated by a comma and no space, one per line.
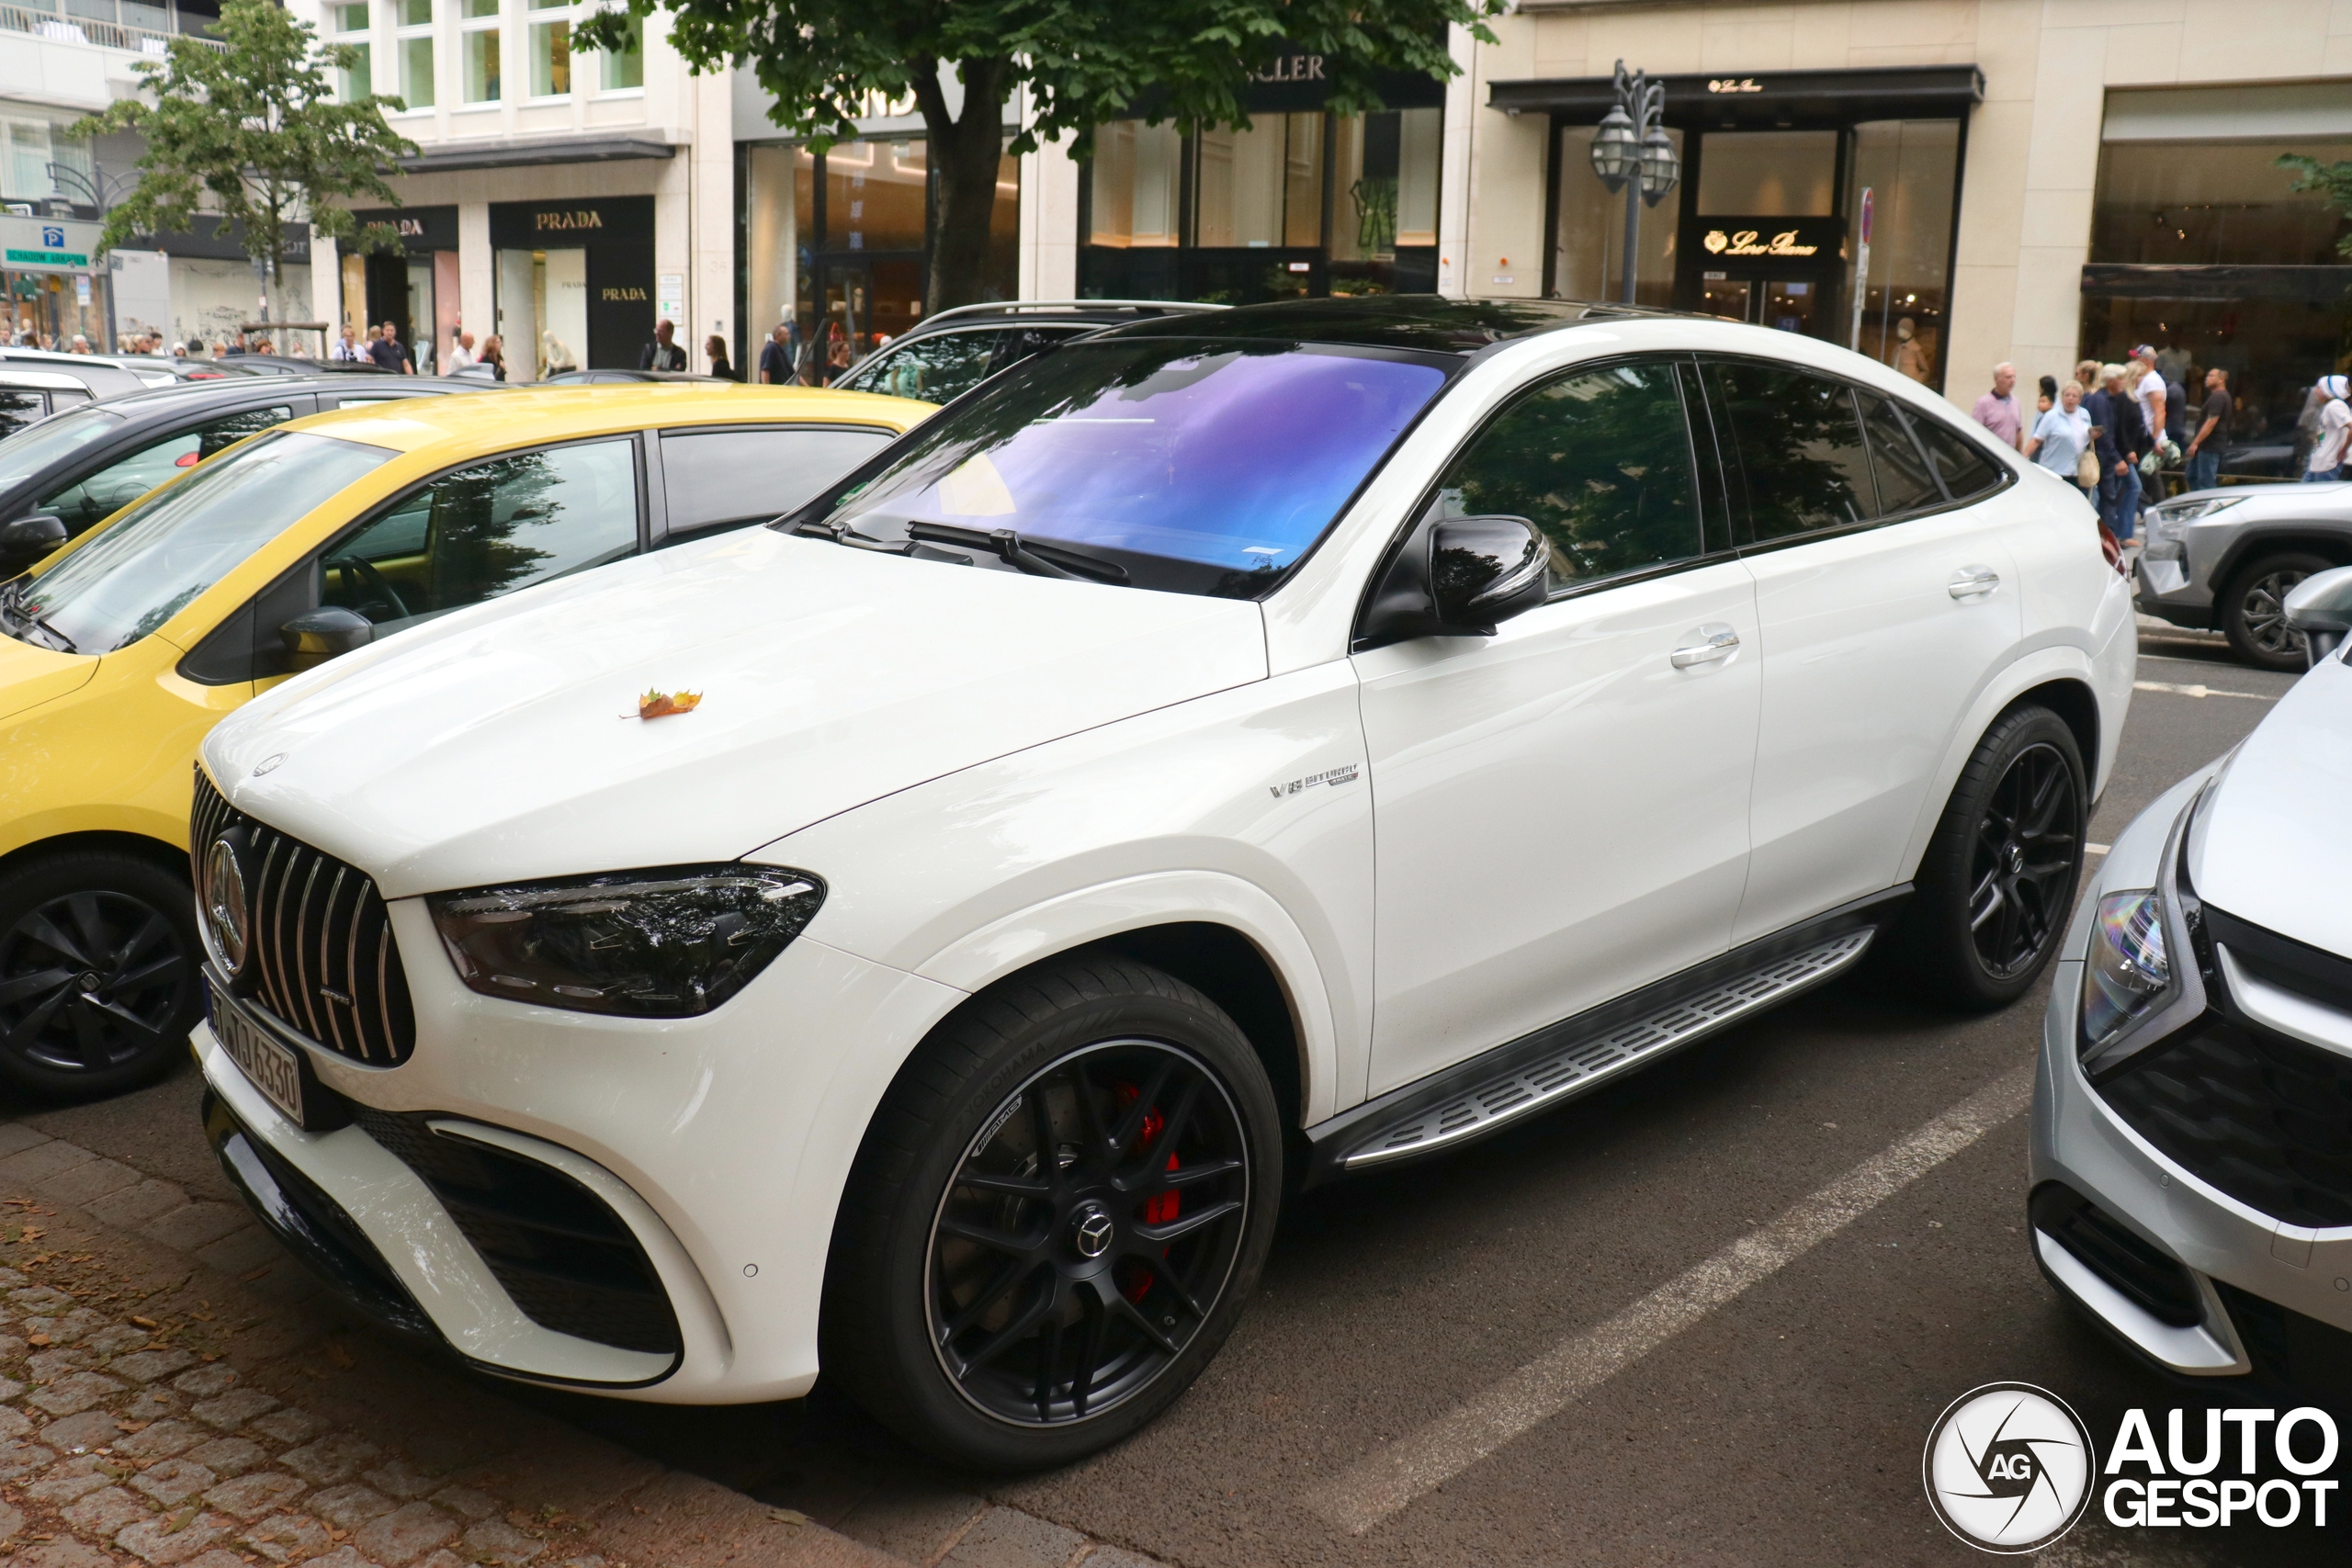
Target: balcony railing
(109,24)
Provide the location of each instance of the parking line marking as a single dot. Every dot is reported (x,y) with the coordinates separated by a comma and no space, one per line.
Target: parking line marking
(1389,1480)
(2199,691)
(2098,849)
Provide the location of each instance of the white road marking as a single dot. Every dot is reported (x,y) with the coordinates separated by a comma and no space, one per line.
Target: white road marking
(1389,1480)
(2199,691)
(2099,849)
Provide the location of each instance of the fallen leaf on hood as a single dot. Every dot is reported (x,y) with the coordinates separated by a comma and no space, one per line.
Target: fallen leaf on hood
(656,704)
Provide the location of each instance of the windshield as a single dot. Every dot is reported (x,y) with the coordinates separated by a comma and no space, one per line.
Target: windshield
(1200,466)
(180,541)
(32,450)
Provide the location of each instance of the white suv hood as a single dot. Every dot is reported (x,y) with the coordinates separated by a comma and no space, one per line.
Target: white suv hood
(2271,845)
(501,743)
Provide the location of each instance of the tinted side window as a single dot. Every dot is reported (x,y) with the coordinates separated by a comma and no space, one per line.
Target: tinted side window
(124,479)
(1903,482)
(718,478)
(1966,472)
(1796,448)
(1599,459)
(19,409)
(488,530)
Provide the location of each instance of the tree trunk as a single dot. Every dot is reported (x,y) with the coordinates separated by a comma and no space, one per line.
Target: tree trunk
(965,154)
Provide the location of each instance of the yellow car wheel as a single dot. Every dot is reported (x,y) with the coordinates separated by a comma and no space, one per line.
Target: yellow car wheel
(100,980)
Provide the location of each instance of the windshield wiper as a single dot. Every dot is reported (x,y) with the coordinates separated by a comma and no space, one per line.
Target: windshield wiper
(842,534)
(15,619)
(1037,560)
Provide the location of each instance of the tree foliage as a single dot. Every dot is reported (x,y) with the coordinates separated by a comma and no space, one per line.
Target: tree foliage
(824,63)
(2333,180)
(253,132)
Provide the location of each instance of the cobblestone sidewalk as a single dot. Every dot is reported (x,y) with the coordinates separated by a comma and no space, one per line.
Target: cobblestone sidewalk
(174,1392)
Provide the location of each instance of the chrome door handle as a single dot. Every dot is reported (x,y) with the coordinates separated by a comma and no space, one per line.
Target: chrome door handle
(1971,581)
(1713,642)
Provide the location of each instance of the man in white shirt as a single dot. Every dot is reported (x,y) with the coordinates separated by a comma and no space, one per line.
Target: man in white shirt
(461,354)
(2327,457)
(2148,388)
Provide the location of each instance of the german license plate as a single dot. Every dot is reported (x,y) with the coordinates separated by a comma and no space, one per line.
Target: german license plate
(272,1069)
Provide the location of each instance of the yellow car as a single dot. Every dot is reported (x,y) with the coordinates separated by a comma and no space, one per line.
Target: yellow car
(122,648)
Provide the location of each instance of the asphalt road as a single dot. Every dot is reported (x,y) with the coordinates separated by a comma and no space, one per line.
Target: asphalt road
(1782,1423)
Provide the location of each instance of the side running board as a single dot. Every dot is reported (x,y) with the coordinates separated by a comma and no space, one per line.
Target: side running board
(1572,1058)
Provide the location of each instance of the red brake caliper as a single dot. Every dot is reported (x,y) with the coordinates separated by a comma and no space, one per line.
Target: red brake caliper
(1158,1210)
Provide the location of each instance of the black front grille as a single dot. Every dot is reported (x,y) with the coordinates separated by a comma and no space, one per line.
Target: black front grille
(2266,1118)
(321,956)
(566,1258)
(2161,1285)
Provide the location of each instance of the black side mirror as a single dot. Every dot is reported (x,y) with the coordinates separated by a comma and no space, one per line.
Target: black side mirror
(316,636)
(1458,577)
(28,539)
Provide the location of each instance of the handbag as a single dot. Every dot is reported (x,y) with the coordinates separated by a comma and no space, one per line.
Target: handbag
(2087,469)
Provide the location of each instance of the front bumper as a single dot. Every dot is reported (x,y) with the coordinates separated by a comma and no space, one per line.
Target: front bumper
(2248,1293)
(2165,590)
(722,1144)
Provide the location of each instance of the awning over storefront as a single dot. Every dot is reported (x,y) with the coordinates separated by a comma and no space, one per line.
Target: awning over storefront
(2307,284)
(1762,99)
(528,152)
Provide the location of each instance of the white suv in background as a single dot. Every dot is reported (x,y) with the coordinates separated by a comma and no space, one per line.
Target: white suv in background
(1227,749)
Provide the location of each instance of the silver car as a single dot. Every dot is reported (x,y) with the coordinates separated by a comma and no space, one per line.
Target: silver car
(2192,1123)
(2224,560)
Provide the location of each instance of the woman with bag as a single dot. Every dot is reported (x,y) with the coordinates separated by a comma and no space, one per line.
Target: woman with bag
(2061,441)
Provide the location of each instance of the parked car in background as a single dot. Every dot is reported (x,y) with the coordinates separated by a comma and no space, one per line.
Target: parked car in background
(90,462)
(2225,560)
(946,354)
(29,394)
(143,370)
(2192,1121)
(946,1000)
(619,378)
(309,538)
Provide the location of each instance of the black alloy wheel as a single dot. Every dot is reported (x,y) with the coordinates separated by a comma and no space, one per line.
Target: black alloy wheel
(1089,1232)
(1997,885)
(2254,610)
(2022,878)
(98,973)
(1055,1216)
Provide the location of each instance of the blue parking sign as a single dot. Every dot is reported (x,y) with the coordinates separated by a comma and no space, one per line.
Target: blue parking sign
(54,239)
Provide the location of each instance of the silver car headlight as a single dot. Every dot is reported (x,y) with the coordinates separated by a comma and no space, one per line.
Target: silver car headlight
(668,942)
(2141,979)
(2173,516)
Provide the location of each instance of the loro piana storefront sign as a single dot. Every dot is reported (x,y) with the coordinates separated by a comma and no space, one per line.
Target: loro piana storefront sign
(1776,239)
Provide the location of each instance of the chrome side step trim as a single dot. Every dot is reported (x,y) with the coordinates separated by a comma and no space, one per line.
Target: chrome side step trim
(1578,1068)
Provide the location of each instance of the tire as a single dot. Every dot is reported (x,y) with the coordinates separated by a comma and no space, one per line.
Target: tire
(1003,1272)
(129,925)
(2252,617)
(1986,921)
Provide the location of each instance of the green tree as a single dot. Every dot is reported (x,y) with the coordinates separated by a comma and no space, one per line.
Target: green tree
(1082,61)
(2332,180)
(255,133)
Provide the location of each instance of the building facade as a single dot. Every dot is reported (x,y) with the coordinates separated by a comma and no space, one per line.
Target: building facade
(562,201)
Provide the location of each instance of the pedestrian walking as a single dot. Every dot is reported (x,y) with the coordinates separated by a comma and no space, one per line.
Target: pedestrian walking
(780,356)
(2148,389)
(2060,439)
(2204,449)
(714,348)
(2048,398)
(390,353)
(662,352)
(2326,462)
(461,353)
(494,354)
(2119,441)
(346,349)
(1997,411)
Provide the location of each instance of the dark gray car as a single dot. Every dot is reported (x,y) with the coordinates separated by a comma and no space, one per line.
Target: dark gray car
(85,463)
(2224,560)
(951,353)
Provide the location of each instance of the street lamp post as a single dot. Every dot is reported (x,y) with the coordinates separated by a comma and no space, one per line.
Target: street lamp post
(1632,151)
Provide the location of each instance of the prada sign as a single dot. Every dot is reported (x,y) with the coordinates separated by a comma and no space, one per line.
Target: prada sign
(1772,239)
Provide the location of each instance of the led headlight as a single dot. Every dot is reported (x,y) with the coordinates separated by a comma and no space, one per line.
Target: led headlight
(2173,516)
(2127,973)
(667,943)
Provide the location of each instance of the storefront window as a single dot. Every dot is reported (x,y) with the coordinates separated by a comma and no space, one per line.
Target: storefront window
(1589,246)
(1768,174)
(1910,167)
(2203,251)
(1346,203)
(876,194)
